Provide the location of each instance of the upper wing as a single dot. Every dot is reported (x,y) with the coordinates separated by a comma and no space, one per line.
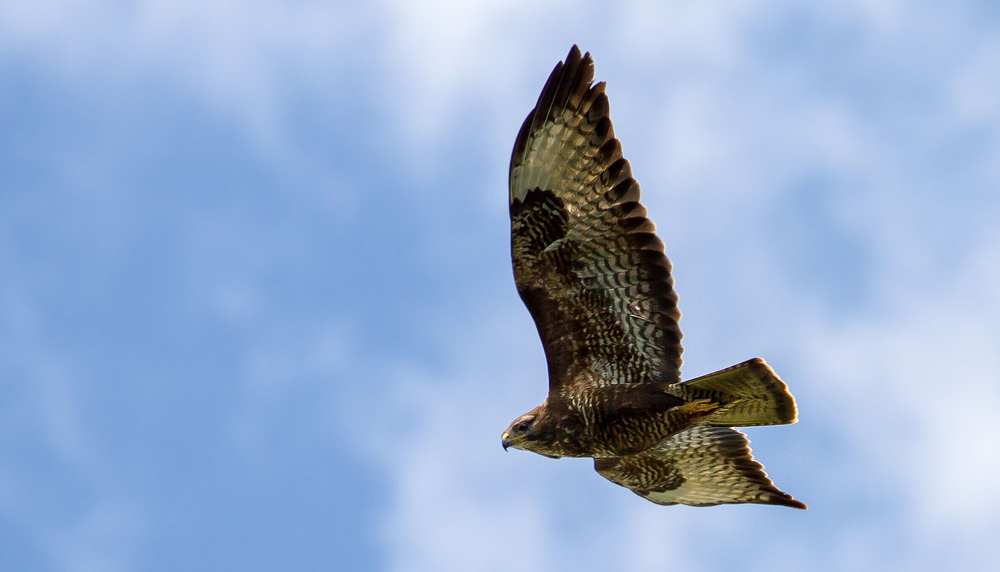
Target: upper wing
(701,466)
(586,260)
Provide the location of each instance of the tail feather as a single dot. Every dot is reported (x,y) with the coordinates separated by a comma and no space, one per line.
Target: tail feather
(749,394)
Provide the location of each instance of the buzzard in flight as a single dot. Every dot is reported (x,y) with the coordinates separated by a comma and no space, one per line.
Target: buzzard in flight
(591,270)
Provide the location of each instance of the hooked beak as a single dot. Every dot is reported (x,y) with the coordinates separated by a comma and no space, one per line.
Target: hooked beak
(505,442)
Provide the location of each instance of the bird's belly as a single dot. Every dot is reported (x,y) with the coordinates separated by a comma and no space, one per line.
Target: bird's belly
(631,433)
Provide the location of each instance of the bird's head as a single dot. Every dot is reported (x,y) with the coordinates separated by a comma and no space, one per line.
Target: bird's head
(518,433)
(526,433)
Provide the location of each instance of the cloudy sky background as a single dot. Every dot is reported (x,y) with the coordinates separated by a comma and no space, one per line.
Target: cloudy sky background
(257,313)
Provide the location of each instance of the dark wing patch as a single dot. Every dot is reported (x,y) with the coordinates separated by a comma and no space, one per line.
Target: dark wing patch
(701,466)
(587,261)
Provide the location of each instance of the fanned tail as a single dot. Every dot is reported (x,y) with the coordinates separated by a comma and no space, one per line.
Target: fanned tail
(748,394)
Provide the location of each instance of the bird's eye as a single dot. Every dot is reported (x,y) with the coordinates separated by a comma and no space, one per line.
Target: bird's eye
(523,426)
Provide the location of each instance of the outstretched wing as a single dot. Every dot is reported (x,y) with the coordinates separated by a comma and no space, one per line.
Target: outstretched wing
(701,466)
(587,262)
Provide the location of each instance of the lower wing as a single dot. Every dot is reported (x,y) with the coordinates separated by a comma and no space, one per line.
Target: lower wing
(701,466)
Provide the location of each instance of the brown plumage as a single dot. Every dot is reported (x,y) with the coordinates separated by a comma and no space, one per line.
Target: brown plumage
(591,270)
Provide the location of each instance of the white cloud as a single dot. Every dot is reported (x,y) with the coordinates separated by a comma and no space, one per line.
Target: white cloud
(454,507)
(920,388)
(242,60)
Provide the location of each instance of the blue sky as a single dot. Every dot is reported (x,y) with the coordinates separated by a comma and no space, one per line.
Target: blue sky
(257,312)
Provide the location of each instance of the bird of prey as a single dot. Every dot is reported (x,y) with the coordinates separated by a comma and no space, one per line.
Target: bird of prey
(592,272)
